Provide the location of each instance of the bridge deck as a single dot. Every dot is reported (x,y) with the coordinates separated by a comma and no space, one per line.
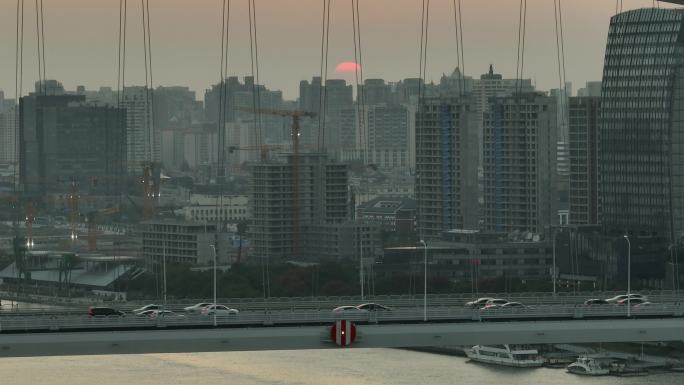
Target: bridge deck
(23,335)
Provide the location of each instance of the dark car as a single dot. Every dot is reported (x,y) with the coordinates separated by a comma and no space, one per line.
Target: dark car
(373,307)
(596,301)
(104,312)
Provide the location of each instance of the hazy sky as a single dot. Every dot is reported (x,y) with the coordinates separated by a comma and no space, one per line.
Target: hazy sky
(81,40)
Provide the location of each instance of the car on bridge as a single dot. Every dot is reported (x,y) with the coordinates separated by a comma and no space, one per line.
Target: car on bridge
(363,310)
(496,301)
(632,301)
(595,301)
(478,303)
(619,298)
(349,310)
(146,308)
(145,313)
(373,307)
(219,310)
(507,305)
(101,311)
(168,314)
(197,308)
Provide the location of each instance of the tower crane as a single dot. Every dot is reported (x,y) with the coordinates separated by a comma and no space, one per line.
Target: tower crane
(295,133)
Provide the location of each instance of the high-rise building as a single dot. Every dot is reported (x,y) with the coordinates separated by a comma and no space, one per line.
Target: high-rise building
(583,120)
(641,143)
(283,210)
(310,95)
(491,85)
(8,150)
(375,91)
(143,143)
(520,135)
(456,83)
(591,89)
(65,140)
(175,107)
(389,136)
(446,166)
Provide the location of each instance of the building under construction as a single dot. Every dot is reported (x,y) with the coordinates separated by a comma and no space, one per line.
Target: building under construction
(291,195)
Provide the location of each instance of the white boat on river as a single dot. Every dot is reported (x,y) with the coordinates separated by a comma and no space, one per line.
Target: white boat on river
(507,355)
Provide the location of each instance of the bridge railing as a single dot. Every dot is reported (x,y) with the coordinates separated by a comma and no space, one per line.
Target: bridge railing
(61,322)
(328,303)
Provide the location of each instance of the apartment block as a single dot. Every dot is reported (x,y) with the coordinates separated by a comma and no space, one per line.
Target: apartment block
(446,166)
(520,144)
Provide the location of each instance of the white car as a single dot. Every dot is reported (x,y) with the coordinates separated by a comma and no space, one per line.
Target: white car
(497,302)
(146,308)
(621,297)
(219,310)
(197,308)
(349,310)
(145,313)
(478,303)
(165,314)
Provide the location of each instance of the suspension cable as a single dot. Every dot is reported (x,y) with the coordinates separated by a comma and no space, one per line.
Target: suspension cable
(220,131)
(362,79)
(522,49)
(122,167)
(460,30)
(42,40)
(324,60)
(41,83)
(561,79)
(522,29)
(322,88)
(18,91)
(458,45)
(220,169)
(254,58)
(360,86)
(460,57)
(150,100)
(147,77)
(424,23)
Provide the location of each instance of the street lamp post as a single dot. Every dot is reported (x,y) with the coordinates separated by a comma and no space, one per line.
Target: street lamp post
(361,264)
(553,273)
(213,247)
(424,280)
(164,269)
(629,276)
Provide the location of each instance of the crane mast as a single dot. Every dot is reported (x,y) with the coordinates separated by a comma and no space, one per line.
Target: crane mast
(296,116)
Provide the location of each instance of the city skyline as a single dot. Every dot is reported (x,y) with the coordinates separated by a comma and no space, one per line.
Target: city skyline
(186,42)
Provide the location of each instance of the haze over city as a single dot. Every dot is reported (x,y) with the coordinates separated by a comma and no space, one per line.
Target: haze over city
(472,192)
(81,42)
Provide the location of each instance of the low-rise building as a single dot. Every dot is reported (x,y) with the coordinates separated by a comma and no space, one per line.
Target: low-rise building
(394,214)
(348,240)
(180,242)
(210,207)
(465,255)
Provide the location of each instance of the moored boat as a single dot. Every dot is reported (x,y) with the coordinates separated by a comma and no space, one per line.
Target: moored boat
(507,355)
(587,366)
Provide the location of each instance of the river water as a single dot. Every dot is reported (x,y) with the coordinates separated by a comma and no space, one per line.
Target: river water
(307,367)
